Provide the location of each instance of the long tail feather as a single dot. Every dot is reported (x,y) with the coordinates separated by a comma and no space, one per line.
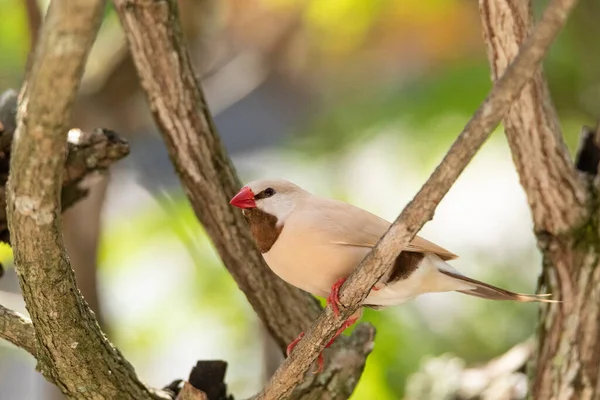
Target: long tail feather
(490,292)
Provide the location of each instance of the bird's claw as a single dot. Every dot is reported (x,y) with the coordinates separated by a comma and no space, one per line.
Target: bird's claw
(291,346)
(334,296)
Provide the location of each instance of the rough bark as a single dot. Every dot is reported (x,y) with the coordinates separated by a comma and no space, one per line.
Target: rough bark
(206,172)
(209,180)
(422,207)
(17,329)
(89,154)
(564,206)
(556,193)
(71,349)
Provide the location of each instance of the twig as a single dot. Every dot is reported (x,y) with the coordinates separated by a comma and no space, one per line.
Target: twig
(17,329)
(422,207)
(556,193)
(72,351)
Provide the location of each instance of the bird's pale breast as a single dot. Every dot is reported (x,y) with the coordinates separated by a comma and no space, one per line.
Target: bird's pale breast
(307,259)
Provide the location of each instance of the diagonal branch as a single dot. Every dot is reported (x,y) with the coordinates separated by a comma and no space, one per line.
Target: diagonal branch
(17,329)
(205,170)
(71,349)
(209,179)
(555,191)
(422,207)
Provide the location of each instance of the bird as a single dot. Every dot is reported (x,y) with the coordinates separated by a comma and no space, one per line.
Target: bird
(314,243)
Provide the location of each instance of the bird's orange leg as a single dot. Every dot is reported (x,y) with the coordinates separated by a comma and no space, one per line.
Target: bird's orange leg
(291,346)
(351,321)
(334,296)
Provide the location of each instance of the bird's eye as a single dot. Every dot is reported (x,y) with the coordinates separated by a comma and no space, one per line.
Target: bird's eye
(269,192)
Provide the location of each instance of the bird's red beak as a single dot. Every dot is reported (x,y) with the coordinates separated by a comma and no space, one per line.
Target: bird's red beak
(244,199)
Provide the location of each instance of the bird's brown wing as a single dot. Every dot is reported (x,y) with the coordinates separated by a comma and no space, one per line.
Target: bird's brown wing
(345,224)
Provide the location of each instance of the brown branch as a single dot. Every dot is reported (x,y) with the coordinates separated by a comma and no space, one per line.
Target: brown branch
(88,154)
(555,191)
(206,172)
(208,176)
(34,21)
(17,329)
(72,351)
(422,207)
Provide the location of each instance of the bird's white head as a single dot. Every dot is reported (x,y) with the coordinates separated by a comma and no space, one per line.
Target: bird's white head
(277,197)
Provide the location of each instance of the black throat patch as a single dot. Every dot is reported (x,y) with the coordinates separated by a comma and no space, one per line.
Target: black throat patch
(263,227)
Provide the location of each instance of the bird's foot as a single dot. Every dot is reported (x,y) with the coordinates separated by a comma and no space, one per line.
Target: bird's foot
(351,321)
(334,296)
(320,361)
(291,346)
(377,287)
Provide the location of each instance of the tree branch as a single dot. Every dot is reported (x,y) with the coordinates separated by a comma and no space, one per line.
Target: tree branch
(209,179)
(422,207)
(88,154)
(556,193)
(207,175)
(71,349)
(34,21)
(17,329)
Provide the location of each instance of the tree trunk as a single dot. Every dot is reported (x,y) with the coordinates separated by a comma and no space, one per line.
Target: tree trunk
(564,206)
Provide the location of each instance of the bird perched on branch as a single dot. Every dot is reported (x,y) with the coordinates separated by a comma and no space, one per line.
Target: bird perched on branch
(315,243)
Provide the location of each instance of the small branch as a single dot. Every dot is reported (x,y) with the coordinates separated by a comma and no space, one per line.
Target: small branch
(72,351)
(556,193)
(422,207)
(17,329)
(89,154)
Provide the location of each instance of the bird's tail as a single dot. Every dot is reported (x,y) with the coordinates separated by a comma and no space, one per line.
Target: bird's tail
(490,292)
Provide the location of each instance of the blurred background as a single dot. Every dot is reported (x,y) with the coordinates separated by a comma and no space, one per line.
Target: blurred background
(352,99)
